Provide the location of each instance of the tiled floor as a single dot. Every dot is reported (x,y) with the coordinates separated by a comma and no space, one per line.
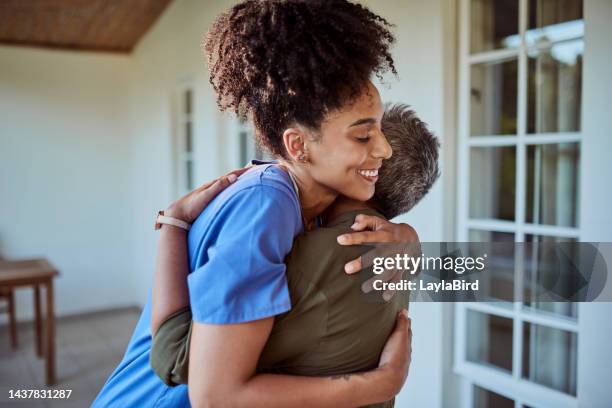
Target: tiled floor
(89,347)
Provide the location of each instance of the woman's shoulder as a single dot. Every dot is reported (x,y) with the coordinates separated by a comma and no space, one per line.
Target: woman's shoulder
(267,175)
(256,193)
(267,183)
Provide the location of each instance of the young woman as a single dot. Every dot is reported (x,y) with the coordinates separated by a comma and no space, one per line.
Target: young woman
(300,70)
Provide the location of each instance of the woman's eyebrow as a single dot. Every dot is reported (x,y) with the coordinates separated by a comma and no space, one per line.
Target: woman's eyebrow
(363,121)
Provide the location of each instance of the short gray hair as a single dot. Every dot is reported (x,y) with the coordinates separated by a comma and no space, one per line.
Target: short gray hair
(408,175)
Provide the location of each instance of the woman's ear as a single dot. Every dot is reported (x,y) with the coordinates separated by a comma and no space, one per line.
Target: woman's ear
(294,139)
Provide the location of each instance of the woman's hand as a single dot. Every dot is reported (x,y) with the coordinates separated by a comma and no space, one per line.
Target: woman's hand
(398,239)
(190,206)
(372,229)
(396,356)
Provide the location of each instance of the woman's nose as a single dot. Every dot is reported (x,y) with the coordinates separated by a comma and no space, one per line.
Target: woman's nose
(382,148)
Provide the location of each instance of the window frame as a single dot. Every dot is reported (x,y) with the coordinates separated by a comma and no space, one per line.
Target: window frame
(179,146)
(510,385)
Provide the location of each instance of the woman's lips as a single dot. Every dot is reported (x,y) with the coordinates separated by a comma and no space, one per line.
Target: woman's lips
(371,175)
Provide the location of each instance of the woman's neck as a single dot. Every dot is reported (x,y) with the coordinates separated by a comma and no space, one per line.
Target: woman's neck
(314,198)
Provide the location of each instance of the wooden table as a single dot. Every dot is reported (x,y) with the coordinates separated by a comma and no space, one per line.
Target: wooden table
(36,273)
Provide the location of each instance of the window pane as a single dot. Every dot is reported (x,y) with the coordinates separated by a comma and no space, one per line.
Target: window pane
(244,140)
(489,399)
(188,98)
(493,25)
(492,182)
(554,20)
(554,88)
(549,357)
(490,236)
(553,184)
(498,281)
(493,98)
(188,137)
(532,279)
(490,340)
(189,175)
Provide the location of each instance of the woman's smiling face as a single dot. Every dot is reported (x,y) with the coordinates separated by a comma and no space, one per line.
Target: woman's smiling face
(350,147)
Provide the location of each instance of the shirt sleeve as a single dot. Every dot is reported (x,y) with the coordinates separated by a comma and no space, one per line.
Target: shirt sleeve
(169,357)
(244,278)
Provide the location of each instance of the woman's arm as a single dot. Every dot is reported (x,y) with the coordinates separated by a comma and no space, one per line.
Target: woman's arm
(170,291)
(223,359)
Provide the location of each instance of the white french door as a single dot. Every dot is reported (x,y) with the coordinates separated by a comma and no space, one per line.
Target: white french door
(520,104)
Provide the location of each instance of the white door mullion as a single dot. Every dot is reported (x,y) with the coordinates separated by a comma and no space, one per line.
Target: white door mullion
(492,141)
(504,54)
(552,230)
(517,326)
(492,225)
(529,139)
(521,125)
(550,138)
(556,322)
(464,114)
(463,96)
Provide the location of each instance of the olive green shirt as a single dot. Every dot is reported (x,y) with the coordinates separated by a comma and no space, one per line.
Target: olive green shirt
(332,328)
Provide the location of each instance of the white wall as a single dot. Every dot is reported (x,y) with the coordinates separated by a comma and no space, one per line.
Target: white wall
(64,172)
(127,155)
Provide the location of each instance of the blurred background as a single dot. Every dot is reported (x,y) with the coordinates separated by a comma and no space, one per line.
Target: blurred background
(106,115)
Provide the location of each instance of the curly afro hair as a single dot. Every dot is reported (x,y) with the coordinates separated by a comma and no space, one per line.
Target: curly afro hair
(285,62)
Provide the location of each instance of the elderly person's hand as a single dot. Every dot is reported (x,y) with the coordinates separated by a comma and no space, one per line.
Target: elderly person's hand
(371,229)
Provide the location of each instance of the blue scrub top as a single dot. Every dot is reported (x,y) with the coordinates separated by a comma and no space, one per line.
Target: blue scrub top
(237,248)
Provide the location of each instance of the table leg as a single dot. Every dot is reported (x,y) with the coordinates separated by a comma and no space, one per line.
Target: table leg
(50,333)
(37,322)
(12,318)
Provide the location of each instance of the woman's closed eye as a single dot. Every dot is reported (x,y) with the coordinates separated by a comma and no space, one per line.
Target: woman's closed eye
(363,139)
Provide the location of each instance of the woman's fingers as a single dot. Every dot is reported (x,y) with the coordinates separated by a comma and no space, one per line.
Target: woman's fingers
(397,350)
(211,192)
(193,204)
(208,194)
(392,276)
(239,172)
(231,176)
(363,221)
(363,237)
(353,266)
(380,251)
(403,321)
(389,293)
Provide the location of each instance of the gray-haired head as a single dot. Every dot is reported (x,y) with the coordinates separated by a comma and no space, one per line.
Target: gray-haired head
(408,175)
